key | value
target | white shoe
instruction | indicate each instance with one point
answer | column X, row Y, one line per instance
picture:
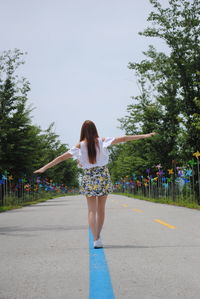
column 98, row 243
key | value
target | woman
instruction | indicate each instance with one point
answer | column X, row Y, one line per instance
column 92, row 155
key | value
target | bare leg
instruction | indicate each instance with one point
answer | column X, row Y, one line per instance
column 100, row 214
column 92, row 210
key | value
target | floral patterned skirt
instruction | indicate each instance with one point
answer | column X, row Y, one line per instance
column 96, row 181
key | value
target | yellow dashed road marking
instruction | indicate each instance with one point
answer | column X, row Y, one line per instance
column 137, row 210
column 164, row 223
column 125, row 206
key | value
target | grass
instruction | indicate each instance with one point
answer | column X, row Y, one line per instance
column 164, row 200
column 28, row 203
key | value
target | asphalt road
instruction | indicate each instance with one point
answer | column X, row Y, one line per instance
column 152, row 250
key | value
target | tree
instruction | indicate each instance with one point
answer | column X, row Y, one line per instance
column 169, row 99
column 18, row 136
column 66, row 172
column 24, row 147
column 179, row 26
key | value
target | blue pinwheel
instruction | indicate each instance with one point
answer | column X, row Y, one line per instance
column 188, row 172
column 185, row 180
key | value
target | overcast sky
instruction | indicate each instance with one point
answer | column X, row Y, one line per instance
column 78, row 53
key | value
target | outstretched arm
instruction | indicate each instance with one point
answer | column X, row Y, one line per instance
column 131, row 137
column 57, row 160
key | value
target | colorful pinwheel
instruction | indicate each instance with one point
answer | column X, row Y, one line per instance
column 160, row 172
column 192, row 162
column 188, row 172
column 185, row 180
column 197, row 154
column 180, row 173
column 171, row 171
column 158, row 166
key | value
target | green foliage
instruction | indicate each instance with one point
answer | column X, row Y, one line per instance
column 169, row 98
column 196, row 116
column 18, row 136
column 65, row 172
column 179, row 26
column 129, row 158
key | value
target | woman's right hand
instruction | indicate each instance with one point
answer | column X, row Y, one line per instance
column 40, row 170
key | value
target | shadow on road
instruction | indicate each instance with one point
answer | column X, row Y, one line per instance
column 7, row 230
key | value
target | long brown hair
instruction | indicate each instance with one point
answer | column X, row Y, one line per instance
column 90, row 134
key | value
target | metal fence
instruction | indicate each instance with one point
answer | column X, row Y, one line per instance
column 154, row 190
column 177, row 183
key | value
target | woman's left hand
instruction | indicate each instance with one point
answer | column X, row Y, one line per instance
column 152, row 134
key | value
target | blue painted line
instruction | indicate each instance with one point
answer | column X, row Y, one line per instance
column 100, row 282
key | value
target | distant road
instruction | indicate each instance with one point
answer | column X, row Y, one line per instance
column 150, row 250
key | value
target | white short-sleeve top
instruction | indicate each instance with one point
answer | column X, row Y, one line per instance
column 102, row 156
